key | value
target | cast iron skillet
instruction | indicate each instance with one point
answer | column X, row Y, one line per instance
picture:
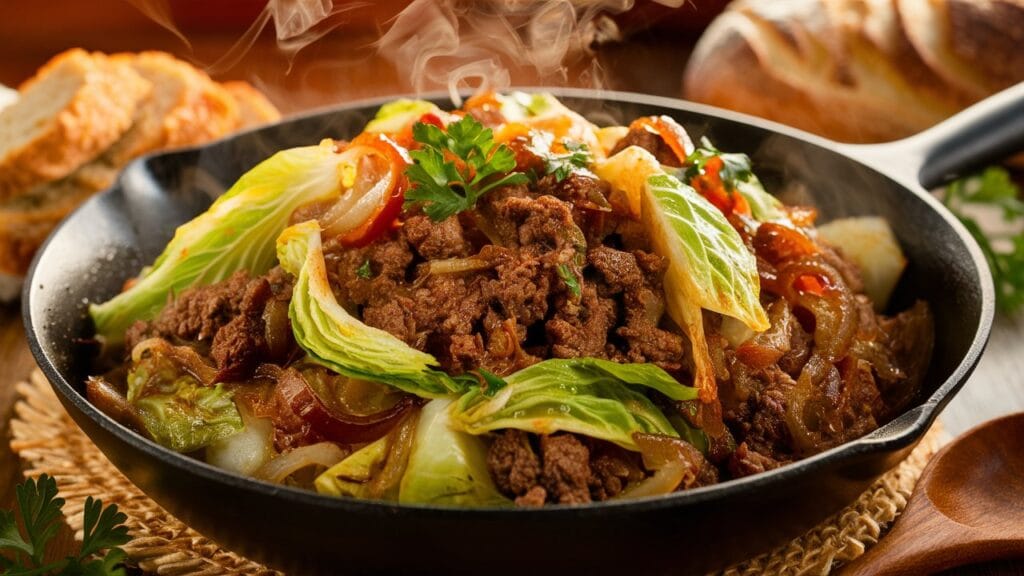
column 114, row 234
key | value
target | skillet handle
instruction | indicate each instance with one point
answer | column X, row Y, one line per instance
column 986, row 133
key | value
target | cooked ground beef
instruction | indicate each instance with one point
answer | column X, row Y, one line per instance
column 648, row 141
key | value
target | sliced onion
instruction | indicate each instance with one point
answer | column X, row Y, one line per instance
column 111, row 401
column 277, row 329
column 399, row 447
column 459, row 265
column 183, row 356
column 664, row 481
column 371, row 182
column 329, row 419
column 246, row 451
column 323, row 454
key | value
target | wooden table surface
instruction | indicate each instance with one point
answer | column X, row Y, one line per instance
column 996, row 388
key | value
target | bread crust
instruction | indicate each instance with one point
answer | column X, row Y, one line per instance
column 96, row 115
column 199, row 110
column 254, row 108
column 851, row 70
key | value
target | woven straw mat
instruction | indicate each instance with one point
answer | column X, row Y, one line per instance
column 49, row 441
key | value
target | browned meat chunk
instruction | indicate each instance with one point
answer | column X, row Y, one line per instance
column 566, row 469
column 513, row 464
column 198, row 313
column 239, row 345
column 436, row 240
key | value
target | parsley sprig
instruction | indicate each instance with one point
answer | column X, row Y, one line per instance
column 1003, row 250
column 736, row 168
column 576, row 157
column 40, row 511
column 455, row 167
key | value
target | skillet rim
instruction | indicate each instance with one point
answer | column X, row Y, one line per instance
column 880, row 440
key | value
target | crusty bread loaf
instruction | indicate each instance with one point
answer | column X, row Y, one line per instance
column 253, row 107
column 186, row 108
column 83, row 141
column 858, row 70
column 75, row 107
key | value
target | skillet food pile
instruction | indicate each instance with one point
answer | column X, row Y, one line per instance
column 507, row 305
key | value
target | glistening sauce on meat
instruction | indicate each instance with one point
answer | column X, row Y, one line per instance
column 507, row 305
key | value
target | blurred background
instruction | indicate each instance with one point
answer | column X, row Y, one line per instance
column 305, row 54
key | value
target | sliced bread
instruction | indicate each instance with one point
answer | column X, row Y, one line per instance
column 186, row 108
column 75, row 107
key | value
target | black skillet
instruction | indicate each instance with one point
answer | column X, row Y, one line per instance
column 113, row 235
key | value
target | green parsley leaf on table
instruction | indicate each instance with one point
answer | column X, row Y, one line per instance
column 1004, row 250
column 40, row 511
column 455, row 167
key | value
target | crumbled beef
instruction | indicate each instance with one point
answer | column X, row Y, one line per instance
column 436, row 240
column 198, row 313
column 643, row 304
column 513, row 464
column 521, row 289
column 545, row 224
column 567, row 469
column 388, row 261
column 566, row 463
column 239, row 345
column 395, row 316
column 649, row 141
column 136, row 333
column 745, row 462
column 759, row 416
column 613, row 468
column 580, row 189
column 580, row 329
column 534, row 498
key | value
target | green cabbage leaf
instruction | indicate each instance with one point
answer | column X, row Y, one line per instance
column 352, row 476
column 237, row 232
column 596, row 398
column 177, row 410
column 447, row 467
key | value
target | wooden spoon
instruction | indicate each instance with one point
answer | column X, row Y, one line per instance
column 967, row 507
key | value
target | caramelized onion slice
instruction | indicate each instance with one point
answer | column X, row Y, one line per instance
column 323, row 454
column 183, row 356
column 329, row 419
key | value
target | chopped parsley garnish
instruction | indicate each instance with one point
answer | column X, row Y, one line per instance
column 571, row 282
column 735, row 168
column 40, row 511
column 576, row 157
column 1004, row 251
column 454, row 168
column 364, row 271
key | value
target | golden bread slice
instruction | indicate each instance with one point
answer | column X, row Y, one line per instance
column 186, row 108
column 253, row 107
column 75, row 107
column 26, row 221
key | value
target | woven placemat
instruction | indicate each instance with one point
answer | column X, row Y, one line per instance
column 49, row 441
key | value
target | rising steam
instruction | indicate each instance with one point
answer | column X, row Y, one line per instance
column 453, row 44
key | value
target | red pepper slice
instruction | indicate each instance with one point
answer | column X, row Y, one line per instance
column 390, row 206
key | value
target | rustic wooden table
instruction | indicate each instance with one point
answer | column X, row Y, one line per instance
column 652, row 64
